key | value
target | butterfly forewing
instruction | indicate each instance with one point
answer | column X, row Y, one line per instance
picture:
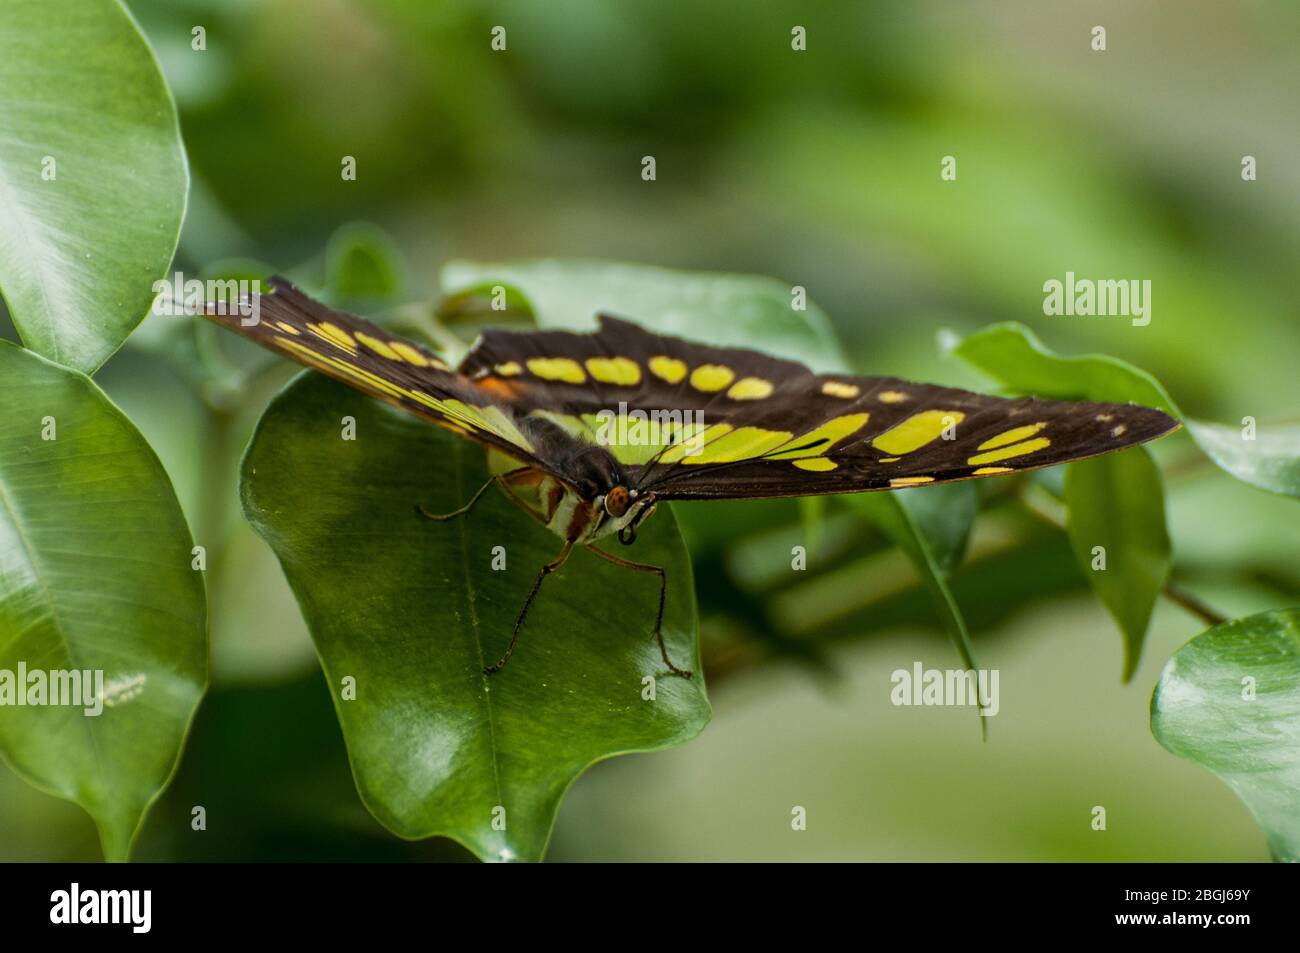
column 947, row 435
column 375, row 362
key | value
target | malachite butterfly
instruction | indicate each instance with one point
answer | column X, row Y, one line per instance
column 587, row 432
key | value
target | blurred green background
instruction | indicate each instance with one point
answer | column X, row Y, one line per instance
column 820, row 168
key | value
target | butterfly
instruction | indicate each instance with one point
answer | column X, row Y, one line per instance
column 589, row 432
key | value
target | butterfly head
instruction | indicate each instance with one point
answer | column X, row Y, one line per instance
column 624, row 510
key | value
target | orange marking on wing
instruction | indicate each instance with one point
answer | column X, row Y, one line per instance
column 499, row 387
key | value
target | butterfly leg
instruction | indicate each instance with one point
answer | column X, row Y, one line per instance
column 663, row 594
column 506, row 485
column 504, row 479
column 440, row 517
column 549, row 568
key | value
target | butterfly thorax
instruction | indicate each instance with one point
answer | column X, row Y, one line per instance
column 595, row 503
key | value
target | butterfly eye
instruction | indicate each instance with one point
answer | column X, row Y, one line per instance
column 617, row 501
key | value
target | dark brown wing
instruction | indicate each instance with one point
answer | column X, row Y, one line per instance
column 689, row 420
column 375, row 362
column 904, row 446
column 750, row 425
column 622, row 362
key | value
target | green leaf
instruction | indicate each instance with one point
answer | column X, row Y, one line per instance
column 362, row 264
column 1270, row 460
column 95, row 574
column 944, row 516
column 1117, row 502
column 463, row 316
column 931, row 525
column 1011, row 354
column 812, row 519
column 92, row 176
column 1229, row 700
column 412, row 610
column 729, row 310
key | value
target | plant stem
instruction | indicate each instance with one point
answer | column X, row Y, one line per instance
column 1193, row 604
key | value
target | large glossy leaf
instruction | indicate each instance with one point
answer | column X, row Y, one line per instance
column 1229, row 700
column 412, row 610
column 92, row 176
column 95, row 574
column 734, row 310
column 1013, row 355
column 1117, row 530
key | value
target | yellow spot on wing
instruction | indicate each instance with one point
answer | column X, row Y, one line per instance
column 816, row 442
column 489, row 417
column 711, row 377
column 910, row 481
column 743, row 443
column 287, row 328
column 557, row 369
column 371, row 381
column 695, row 442
column 840, row 389
column 457, row 415
column 669, row 369
column 890, row 459
column 631, row 439
column 509, row 369
column 409, row 354
column 816, row 464
column 891, row 397
column 916, row 431
column 580, row 428
column 334, row 335
column 750, row 388
column 379, row 347
column 620, row 371
column 1006, row 453
column 985, row 471
column 1011, row 436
